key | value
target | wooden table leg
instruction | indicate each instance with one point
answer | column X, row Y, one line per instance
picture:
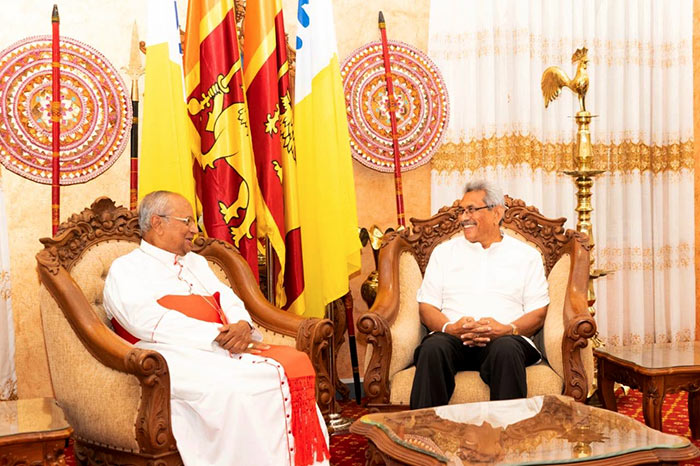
column 652, row 401
column 694, row 413
column 373, row 456
column 606, row 392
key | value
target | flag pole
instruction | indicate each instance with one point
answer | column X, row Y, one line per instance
column 349, row 306
column 392, row 116
column 55, row 120
column 270, row 271
column 134, row 71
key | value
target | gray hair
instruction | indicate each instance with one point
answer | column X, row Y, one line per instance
column 155, row 203
column 493, row 197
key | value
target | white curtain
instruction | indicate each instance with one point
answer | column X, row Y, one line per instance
column 492, row 55
column 8, row 379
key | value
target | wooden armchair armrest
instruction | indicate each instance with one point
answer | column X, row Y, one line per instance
column 246, row 287
column 374, row 330
column 314, row 339
column 374, row 326
column 579, row 325
column 312, row 335
column 576, row 336
column 153, row 432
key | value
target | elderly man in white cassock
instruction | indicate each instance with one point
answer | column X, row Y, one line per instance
column 234, row 399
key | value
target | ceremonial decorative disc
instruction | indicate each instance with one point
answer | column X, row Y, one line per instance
column 95, row 111
column 422, row 106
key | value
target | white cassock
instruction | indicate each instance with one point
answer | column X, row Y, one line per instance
column 226, row 409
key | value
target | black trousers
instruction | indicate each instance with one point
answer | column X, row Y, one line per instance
column 501, row 365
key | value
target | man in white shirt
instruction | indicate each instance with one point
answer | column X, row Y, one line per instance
column 483, row 295
column 231, row 402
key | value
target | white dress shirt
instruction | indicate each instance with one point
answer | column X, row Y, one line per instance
column 137, row 280
column 504, row 281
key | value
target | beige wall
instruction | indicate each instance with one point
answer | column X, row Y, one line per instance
column 696, row 137
column 356, row 24
column 106, row 26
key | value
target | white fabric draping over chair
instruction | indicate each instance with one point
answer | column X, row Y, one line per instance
column 492, row 55
column 8, row 379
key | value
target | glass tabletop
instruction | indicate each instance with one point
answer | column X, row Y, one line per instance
column 657, row 355
column 30, row 416
column 538, row 430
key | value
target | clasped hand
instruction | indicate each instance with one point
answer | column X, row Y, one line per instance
column 477, row 332
column 236, row 338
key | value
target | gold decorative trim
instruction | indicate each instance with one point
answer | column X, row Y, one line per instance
column 636, row 258
column 518, row 149
column 636, row 339
column 8, row 390
column 5, row 287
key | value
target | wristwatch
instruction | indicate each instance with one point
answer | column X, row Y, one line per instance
column 515, row 329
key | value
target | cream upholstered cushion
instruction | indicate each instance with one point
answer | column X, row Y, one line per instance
column 270, row 337
column 558, row 281
column 90, row 271
column 103, row 394
column 407, row 331
column 541, row 380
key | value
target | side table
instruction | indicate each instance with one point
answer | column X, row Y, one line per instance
column 654, row 369
column 33, row 431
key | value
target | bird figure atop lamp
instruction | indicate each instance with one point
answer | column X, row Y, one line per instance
column 554, row 78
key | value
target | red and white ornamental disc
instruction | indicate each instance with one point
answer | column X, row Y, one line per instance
column 95, row 111
column 422, row 106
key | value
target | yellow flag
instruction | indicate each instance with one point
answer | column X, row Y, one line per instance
column 327, row 205
column 165, row 161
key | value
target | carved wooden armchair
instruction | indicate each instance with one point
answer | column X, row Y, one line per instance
column 116, row 396
column 392, row 328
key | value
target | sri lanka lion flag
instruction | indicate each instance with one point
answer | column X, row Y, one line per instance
column 266, row 78
column 219, row 127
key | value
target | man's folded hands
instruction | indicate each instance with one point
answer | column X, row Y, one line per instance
column 237, row 338
column 477, row 332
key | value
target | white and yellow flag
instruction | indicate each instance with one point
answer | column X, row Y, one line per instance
column 327, row 205
column 165, row 161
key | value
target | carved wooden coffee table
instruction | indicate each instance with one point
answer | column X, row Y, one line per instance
column 545, row 429
column 33, row 432
column 654, row 369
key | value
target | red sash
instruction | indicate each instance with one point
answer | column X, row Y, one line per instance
column 206, row 308
column 308, row 437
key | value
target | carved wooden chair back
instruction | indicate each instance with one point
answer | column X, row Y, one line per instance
column 402, row 261
column 114, row 395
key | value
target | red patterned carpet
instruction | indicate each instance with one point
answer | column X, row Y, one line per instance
column 674, row 417
column 349, row 449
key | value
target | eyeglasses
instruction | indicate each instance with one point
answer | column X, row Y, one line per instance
column 186, row 220
column 471, row 209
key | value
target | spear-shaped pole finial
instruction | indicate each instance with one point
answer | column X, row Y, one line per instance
column 135, row 69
